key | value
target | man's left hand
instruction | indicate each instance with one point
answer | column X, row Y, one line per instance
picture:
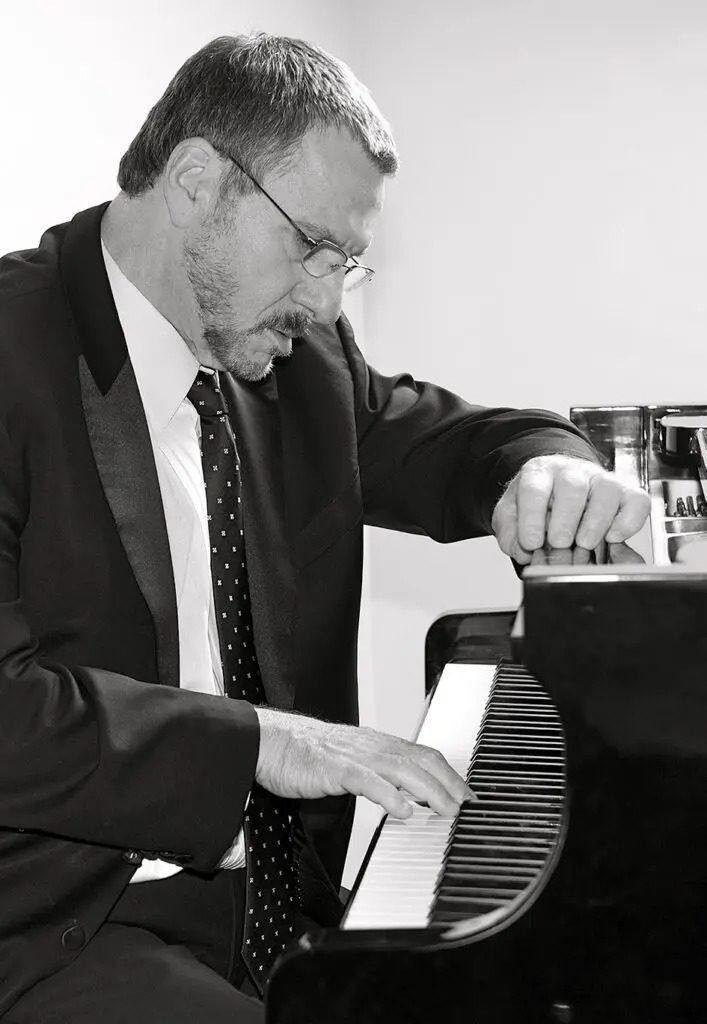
column 561, row 501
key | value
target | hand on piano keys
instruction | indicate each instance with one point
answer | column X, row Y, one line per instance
column 303, row 757
column 498, row 728
column 561, row 501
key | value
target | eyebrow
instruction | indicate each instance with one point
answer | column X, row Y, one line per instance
column 320, row 232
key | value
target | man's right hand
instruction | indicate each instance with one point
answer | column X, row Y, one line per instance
column 305, row 757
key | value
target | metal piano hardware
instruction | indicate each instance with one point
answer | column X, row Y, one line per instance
column 659, row 447
column 613, row 927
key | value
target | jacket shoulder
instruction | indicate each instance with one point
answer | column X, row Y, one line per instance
column 25, row 273
column 30, row 280
column 35, row 322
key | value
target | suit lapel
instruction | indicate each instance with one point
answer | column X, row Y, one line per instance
column 123, row 452
column 118, row 432
column 256, row 418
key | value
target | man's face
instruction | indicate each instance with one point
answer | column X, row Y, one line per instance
column 243, row 260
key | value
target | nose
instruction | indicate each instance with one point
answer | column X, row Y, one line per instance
column 321, row 297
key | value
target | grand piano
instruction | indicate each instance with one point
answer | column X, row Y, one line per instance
column 575, row 888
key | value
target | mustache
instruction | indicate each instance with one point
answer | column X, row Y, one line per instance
column 292, row 324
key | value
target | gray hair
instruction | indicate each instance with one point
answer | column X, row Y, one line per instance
column 254, row 97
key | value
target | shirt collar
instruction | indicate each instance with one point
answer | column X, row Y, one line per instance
column 164, row 366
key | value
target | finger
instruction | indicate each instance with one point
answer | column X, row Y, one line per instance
column 507, row 539
column 603, row 504
column 580, row 556
column 471, row 798
column 635, row 506
column 558, row 556
column 438, row 766
column 363, row 781
column 410, row 775
column 522, row 556
column 624, row 555
column 505, row 526
column 534, row 490
column 569, row 498
column 540, row 557
column 504, row 521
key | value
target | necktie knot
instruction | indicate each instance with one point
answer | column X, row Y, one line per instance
column 206, row 396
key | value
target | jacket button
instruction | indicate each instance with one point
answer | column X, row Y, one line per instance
column 73, row 937
column 132, row 857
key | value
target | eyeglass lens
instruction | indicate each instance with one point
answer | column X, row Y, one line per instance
column 324, row 260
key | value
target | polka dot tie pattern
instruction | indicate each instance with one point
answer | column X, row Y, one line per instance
column 271, row 882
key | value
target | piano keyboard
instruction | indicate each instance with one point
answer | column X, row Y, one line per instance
column 500, row 731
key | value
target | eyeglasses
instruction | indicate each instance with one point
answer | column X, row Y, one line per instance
column 323, row 258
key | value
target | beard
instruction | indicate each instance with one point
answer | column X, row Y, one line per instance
column 214, row 288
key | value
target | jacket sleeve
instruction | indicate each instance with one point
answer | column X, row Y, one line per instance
column 431, row 463
column 97, row 757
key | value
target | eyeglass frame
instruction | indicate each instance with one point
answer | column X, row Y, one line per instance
column 311, row 242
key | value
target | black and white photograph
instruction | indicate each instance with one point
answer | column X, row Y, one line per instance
column 353, row 512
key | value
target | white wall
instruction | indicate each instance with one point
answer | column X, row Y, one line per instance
column 77, row 78
column 545, row 241
column 543, row 245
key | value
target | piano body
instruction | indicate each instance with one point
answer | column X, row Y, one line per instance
column 575, row 889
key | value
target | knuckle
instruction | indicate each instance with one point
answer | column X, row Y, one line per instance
column 606, row 483
column 534, row 482
column 437, row 757
column 575, row 479
column 354, row 777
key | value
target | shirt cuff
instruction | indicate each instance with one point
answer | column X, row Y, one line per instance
column 234, row 857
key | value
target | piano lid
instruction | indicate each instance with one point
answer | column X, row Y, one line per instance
column 622, row 650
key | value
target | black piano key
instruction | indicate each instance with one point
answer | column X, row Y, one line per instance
column 500, row 844
column 513, row 830
column 450, row 892
column 511, row 866
column 467, row 906
column 465, row 879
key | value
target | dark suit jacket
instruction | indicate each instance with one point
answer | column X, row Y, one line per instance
column 97, row 760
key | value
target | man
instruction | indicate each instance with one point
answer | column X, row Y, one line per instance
column 130, row 560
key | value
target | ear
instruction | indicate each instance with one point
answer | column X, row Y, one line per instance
column 191, row 179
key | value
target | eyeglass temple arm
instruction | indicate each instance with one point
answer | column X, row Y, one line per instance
column 267, row 195
column 298, row 229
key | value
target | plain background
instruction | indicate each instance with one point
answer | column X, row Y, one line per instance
column 543, row 245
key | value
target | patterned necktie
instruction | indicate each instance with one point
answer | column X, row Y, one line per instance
column 271, row 882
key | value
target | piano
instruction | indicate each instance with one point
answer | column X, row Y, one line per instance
column 575, row 889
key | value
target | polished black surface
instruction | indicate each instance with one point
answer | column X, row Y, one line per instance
column 616, row 932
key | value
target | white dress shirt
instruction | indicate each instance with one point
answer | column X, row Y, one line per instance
column 165, row 370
